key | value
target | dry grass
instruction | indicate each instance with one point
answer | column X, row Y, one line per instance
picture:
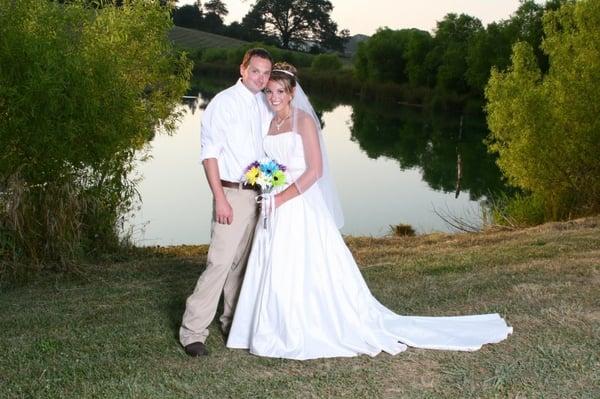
column 114, row 334
column 195, row 39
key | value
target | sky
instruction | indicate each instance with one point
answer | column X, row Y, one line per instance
column 365, row 16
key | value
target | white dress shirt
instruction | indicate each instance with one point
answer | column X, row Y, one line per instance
column 233, row 127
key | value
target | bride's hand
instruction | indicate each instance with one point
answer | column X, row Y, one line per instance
column 264, row 200
column 278, row 201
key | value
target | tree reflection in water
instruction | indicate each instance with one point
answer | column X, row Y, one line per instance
column 435, row 143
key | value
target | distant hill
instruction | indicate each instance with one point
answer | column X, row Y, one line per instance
column 195, row 39
column 352, row 45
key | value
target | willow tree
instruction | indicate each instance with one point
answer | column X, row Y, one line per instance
column 81, row 89
column 545, row 128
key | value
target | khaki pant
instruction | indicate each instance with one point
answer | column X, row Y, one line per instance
column 225, row 266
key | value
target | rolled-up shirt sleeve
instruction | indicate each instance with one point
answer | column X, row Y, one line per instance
column 212, row 131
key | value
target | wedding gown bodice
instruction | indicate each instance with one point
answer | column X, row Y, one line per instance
column 286, row 149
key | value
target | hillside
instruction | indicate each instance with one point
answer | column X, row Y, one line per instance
column 195, row 39
column 352, row 46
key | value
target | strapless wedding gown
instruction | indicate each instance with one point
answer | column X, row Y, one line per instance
column 303, row 295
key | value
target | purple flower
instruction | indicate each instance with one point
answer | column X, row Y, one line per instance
column 254, row 164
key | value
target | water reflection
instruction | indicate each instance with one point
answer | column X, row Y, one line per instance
column 448, row 149
column 391, row 166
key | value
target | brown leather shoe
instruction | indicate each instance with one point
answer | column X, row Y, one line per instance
column 196, row 349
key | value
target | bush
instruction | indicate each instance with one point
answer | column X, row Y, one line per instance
column 397, row 56
column 326, row 62
column 80, row 91
column 519, row 210
column 233, row 56
column 545, row 128
column 215, row 55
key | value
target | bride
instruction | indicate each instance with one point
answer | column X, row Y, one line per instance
column 303, row 296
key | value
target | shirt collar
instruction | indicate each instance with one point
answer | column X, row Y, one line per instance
column 245, row 92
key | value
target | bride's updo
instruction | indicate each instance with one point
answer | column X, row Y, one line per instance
column 285, row 74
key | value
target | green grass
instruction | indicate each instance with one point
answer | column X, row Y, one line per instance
column 114, row 332
column 195, row 39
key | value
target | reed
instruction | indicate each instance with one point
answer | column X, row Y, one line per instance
column 57, row 224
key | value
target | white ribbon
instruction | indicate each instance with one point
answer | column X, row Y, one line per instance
column 267, row 209
column 267, row 215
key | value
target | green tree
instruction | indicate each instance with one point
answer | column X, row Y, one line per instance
column 451, row 43
column 213, row 18
column 80, row 91
column 296, row 23
column 393, row 56
column 489, row 48
column 326, row 62
column 527, row 25
column 417, row 47
column 212, row 23
column 492, row 47
column 545, row 128
column 381, row 57
column 188, row 16
column 216, row 7
column 251, row 27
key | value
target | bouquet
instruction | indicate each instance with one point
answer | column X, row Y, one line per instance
column 266, row 174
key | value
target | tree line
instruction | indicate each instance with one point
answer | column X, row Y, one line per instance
column 451, row 65
column 460, row 54
column 539, row 73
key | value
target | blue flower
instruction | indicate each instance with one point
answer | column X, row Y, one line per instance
column 268, row 168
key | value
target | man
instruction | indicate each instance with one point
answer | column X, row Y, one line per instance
column 233, row 126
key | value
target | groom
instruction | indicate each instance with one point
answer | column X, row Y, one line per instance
column 233, row 126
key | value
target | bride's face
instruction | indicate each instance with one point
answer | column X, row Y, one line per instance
column 277, row 96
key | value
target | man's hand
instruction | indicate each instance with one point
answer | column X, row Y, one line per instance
column 223, row 212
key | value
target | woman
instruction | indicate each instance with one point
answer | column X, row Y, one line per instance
column 303, row 296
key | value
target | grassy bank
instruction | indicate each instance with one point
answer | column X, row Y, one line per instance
column 113, row 333
column 192, row 39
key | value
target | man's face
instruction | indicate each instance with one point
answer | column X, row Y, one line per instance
column 256, row 75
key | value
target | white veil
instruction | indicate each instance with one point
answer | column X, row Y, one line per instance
column 325, row 182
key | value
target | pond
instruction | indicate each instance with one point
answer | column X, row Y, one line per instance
column 392, row 165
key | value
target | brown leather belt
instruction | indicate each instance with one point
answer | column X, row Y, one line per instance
column 237, row 185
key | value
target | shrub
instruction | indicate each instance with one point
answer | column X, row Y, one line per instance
column 80, row 91
column 519, row 210
column 215, row 55
column 545, row 128
column 326, row 62
column 402, row 230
